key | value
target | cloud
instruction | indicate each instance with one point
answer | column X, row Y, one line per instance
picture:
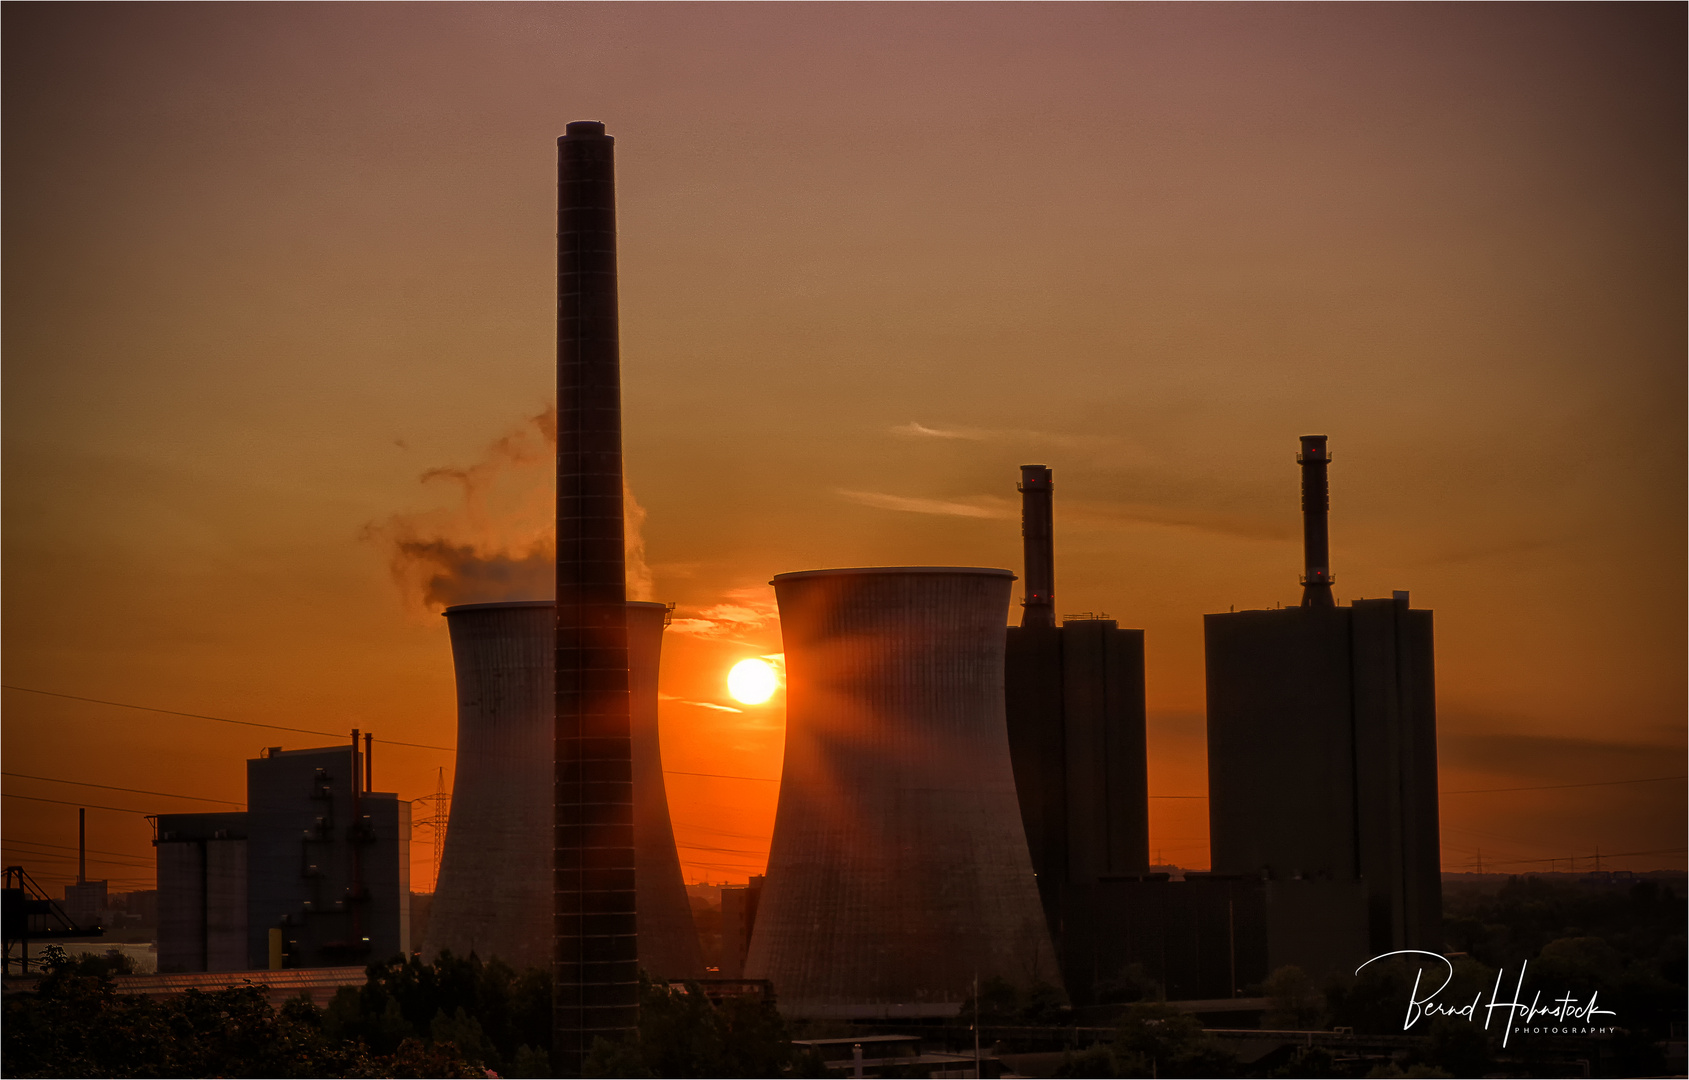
column 1117, row 514
column 744, row 611
column 1047, row 439
column 918, row 429
column 699, row 704
column 1507, row 550
column 981, row 506
column 1070, row 512
column 1556, row 759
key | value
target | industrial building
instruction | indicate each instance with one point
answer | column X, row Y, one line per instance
column 739, row 904
column 315, row 873
column 1322, row 761
column 1201, row 938
column 898, row 869
column 494, row 896
column 1074, row 695
column 202, row 893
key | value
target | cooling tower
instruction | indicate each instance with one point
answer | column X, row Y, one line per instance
column 494, row 896
column 898, row 869
column 668, row 938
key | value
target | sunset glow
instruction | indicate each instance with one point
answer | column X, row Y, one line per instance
column 282, row 387
column 752, row 681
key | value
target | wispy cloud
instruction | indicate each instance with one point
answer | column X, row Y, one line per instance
column 1032, row 439
column 1085, row 514
column 921, row 430
column 980, row 506
column 744, row 611
column 1116, row 514
column 699, row 704
column 1503, row 551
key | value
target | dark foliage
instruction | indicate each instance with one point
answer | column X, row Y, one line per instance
column 492, row 1014
column 1002, row 1004
column 78, row 1025
column 1153, row 1040
column 1625, row 942
column 683, row 1033
column 451, row 1018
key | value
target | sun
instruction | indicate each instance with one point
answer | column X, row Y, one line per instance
column 752, row 681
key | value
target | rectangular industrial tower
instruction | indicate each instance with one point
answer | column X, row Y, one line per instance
column 1074, row 695
column 1322, row 762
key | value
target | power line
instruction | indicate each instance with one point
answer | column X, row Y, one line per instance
column 1589, row 858
column 219, row 719
column 1557, row 787
column 719, row 850
column 62, row 802
column 1487, row 791
column 108, row 787
column 132, row 864
column 722, row 776
column 72, row 847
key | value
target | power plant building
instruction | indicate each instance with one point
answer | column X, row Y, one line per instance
column 201, row 862
column 1322, row 762
column 327, row 861
column 898, row 869
column 1074, row 695
column 315, row 873
column 494, row 896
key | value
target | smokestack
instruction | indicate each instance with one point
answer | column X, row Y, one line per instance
column 369, row 762
column 81, row 845
column 596, row 967
column 1039, row 547
column 1316, row 504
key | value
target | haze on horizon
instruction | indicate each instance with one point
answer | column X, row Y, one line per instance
column 279, row 297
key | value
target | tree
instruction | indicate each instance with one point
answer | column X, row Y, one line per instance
column 684, row 1033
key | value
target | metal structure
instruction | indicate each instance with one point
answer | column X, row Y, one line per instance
column 494, row 896
column 596, row 964
column 28, row 914
column 898, row 867
column 1322, row 763
column 440, row 823
column 1074, row 696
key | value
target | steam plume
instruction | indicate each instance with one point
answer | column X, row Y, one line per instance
column 497, row 541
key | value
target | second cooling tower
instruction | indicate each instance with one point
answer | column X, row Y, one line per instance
column 898, row 869
column 494, row 897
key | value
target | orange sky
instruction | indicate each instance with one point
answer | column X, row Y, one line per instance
column 268, row 265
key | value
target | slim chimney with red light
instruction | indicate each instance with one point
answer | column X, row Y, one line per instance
column 1316, row 506
column 1037, row 531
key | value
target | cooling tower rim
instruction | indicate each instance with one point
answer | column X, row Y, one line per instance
column 496, row 605
column 983, row 571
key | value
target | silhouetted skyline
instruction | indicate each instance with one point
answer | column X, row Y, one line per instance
column 271, row 266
